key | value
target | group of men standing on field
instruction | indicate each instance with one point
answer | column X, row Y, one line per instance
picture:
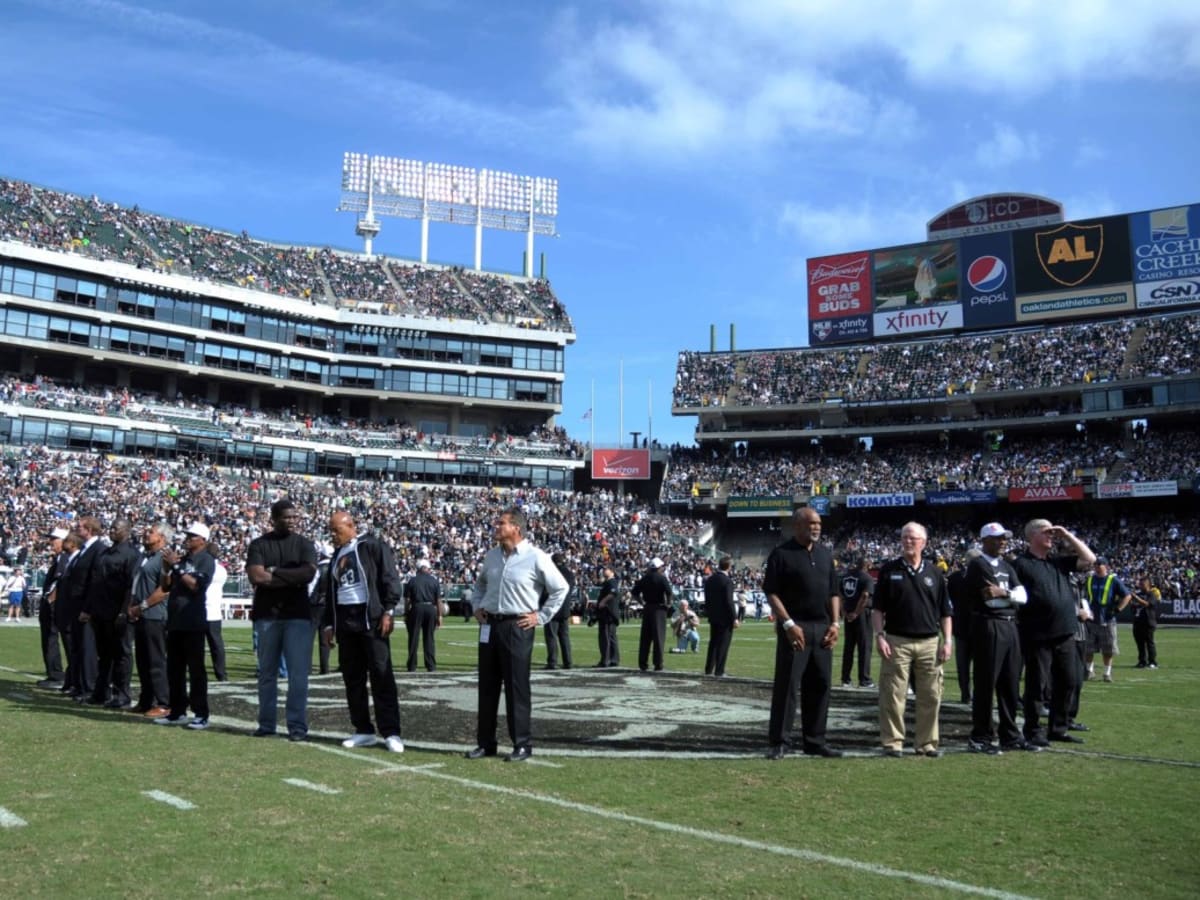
column 1025, row 615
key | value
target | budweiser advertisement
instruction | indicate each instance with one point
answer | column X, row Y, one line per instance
column 614, row 464
column 1043, row 494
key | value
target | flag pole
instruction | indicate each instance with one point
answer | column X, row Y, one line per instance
column 621, row 404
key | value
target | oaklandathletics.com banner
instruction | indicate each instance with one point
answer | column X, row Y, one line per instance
column 610, row 464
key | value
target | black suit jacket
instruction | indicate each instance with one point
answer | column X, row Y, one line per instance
column 608, row 604
column 719, row 604
column 74, row 587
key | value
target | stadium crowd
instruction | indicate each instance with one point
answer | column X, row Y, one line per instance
column 91, row 227
column 451, row 525
column 1018, row 461
column 243, row 423
column 1054, row 355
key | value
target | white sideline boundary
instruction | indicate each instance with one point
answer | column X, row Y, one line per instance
column 685, row 830
column 11, row 819
column 169, row 799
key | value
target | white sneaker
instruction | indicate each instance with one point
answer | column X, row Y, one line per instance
column 198, row 724
column 394, row 744
column 360, row 740
column 171, row 720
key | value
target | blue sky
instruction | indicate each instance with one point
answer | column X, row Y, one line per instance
column 704, row 149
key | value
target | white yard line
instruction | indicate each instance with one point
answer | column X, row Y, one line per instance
column 311, row 786
column 699, row 834
column 169, row 799
column 11, row 819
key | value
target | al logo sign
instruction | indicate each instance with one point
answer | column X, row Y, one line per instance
column 1070, row 253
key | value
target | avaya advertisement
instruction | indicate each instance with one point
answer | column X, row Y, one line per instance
column 615, row 464
column 988, row 287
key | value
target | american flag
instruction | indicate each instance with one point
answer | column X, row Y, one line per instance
column 587, row 415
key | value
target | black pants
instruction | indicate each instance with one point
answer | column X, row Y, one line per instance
column 857, row 638
column 1081, row 649
column 558, row 635
column 81, row 659
column 504, row 662
column 216, row 649
column 114, row 660
column 367, row 657
column 610, row 650
column 1050, row 667
column 809, row 670
column 997, row 674
column 421, row 619
column 317, row 614
column 1143, row 636
column 185, row 662
column 719, row 639
column 964, row 655
column 51, row 656
column 150, row 652
column 654, row 634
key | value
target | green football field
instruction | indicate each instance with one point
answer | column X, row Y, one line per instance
column 103, row 804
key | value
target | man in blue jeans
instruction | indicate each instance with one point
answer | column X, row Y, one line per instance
column 282, row 566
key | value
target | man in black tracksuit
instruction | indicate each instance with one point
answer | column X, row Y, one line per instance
column 422, row 614
column 608, row 617
column 558, row 630
column 362, row 592
column 654, row 591
column 994, row 590
column 855, row 587
column 1047, row 626
column 722, row 612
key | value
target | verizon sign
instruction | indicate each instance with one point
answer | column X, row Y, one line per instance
column 614, row 464
column 1043, row 494
column 994, row 212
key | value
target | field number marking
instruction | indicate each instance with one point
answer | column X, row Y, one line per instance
column 11, row 819
column 169, row 799
column 311, row 786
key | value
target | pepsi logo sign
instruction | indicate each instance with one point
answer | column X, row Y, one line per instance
column 986, row 274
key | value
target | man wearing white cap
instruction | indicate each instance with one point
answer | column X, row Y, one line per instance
column 51, row 654
column 422, row 614
column 994, row 590
column 654, row 591
column 186, row 579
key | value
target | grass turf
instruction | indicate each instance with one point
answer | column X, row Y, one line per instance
column 1112, row 818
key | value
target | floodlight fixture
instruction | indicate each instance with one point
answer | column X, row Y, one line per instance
column 442, row 192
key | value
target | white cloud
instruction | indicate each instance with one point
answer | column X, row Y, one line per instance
column 841, row 228
column 708, row 77
column 1007, row 147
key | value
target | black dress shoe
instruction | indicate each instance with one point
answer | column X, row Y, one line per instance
column 114, row 703
column 519, row 754
column 1077, row 726
column 893, row 752
column 549, row 668
column 777, row 752
column 826, row 751
column 480, row 753
column 1066, row 739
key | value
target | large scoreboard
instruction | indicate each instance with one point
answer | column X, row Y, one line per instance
column 983, row 276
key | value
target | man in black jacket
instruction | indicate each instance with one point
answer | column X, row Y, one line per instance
column 1047, row 624
column 654, row 592
column 282, row 566
column 73, row 590
column 608, row 617
column 186, row 579
column 722, row 612
column 422, row 614
column 106, row 606
column 363, row 589
column 558, row 630
column 51, row 653
column 855, row 587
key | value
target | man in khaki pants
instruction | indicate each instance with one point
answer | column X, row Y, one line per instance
column 911, row 608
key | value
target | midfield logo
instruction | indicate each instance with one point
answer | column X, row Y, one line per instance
column 1070, row 253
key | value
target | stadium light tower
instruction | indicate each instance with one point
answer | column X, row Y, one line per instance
column 439, row 192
